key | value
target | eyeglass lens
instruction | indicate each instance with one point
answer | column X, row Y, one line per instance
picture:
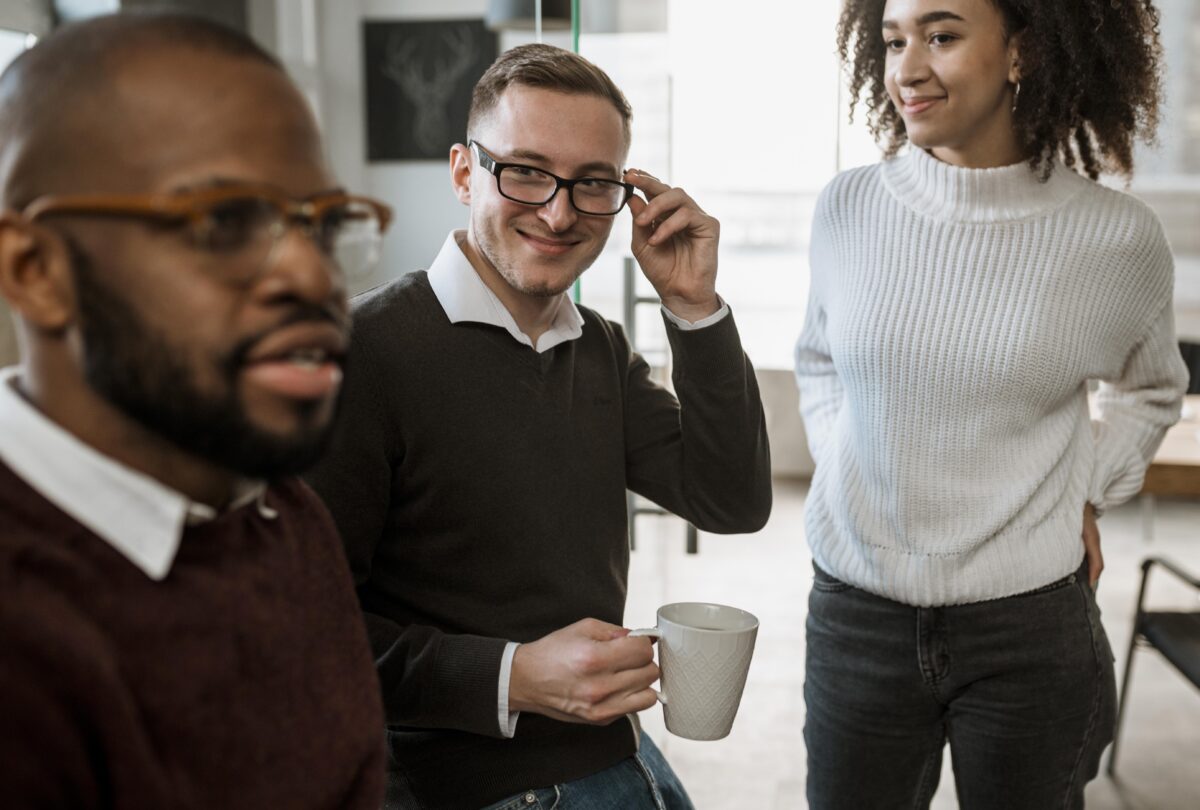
column 590, row 195
column 248, row 229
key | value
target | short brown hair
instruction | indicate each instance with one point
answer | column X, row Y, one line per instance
column 550, row 68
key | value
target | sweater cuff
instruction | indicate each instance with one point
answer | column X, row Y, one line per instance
column 465, row 679
column 689, row 326
column 715, row 351
column 508, row 720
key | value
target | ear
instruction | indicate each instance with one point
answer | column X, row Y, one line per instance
column 1014, row 58
column 35, row 274
column 461, row 164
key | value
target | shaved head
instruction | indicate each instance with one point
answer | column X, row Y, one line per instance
column 65, row 104
column 132, row 324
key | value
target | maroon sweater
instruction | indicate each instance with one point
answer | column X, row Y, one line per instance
column 242, row 680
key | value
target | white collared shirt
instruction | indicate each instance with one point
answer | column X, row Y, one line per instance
column 135, row 514
column 465, row 297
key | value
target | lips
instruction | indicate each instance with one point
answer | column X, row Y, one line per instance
column 301, row 361
column 919, row 104
column 549, row 246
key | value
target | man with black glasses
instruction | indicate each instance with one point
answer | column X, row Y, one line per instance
column 489, row 432
column 178, row 627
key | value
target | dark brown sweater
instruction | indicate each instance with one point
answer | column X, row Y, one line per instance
column 480, row 490
column 242, row 680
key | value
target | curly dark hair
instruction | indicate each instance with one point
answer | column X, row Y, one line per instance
column 1090, row 79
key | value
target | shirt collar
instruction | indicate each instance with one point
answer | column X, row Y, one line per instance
column 465, row 298
column 135, row 514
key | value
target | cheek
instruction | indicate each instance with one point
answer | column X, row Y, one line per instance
column 200, row 330
column 601, row 229
column 889, row 81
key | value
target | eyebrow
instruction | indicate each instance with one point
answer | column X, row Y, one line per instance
column 927, row 18
column 232, row 182
column 580, row 171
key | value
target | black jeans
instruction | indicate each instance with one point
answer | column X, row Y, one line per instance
column 1022, row 688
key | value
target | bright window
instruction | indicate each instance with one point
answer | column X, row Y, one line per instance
column 745, row 106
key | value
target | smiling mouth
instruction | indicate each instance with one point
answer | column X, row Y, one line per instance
column 917, row 106
column 550, row 247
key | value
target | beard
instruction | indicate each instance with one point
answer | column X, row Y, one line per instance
column 490, row 239
column 135, row 368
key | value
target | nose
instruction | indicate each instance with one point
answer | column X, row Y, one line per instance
column 558, row 214
column 911, row 66
column 300, row 270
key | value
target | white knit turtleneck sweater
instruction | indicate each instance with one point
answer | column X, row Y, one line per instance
column 954, row 319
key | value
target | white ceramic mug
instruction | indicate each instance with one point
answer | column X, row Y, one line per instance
column 704, row 652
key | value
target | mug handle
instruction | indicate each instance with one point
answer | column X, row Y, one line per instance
column 652, row 632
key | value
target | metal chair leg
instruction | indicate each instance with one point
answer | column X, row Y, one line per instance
column 1123, row 696
column 631, row 517
column 1121, row 701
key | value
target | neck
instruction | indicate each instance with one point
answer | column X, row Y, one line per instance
column 68, row 401
column 993, row 147
column 974, row 157
column 534, row 314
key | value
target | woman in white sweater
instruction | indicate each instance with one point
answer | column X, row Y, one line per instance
column 964, row 292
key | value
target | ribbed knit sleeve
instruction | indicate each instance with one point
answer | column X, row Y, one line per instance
column 821, row 391
column 1135, row 409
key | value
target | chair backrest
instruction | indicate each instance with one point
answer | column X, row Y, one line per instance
column 1191, row 356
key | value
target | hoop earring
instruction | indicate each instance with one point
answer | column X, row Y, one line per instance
column 1016, row 97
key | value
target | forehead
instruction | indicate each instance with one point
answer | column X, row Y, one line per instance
column 188, row 117
column 909, row 11
column 571, row 129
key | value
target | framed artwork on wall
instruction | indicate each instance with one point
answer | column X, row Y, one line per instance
column 419, row 77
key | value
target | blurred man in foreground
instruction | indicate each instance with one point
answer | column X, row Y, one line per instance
column 177, row 624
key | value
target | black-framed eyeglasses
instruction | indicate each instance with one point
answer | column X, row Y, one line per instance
column 595, row 196
column 241, row 225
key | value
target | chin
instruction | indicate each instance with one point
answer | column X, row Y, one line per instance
column 546, row 290
column 546, row 287
column 922, row 138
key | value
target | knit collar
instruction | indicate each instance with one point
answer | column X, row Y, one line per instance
column 942, row 191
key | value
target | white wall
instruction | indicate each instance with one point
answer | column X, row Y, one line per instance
column 419, row 191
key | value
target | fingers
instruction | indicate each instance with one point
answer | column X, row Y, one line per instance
column 597, row 630
column 629, row 653
column 636, row 206
column 668, row 213
column 664, row 204
column 679, row 222
column 588, row 672
column 602, row 700
column 1095, row 561
column 646, row 183
column 1091, row 546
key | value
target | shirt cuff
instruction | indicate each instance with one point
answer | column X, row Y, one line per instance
column 508, row 720
column 688, row 326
